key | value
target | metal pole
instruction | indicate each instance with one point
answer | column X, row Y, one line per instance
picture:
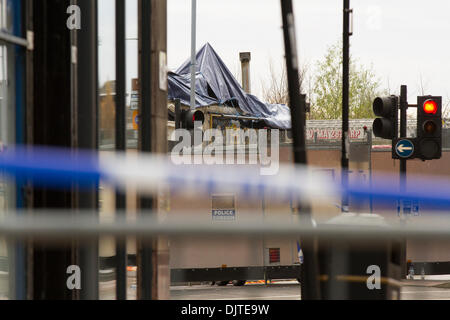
column 152, row 256
column 193, row 51
column 17, row 258
column 403, row 131
column 345, row 103
column 87, row 82
column 403, row 162
column 145, row 250
column 310, row 288
column 52, row 119
column 177, row 114
column 370, row 143
column 56, row 226
column 121, row 249
column 13, row 39
column 29, row 123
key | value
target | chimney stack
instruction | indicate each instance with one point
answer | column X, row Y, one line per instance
column 245, row 64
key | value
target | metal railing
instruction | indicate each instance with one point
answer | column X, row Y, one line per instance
column 6, row 37
column 368, row 227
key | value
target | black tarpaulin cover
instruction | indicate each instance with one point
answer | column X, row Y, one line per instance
column 215, row 85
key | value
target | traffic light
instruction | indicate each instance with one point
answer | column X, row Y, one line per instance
column 193, row 121
column 429, row 127
column 191, row 117
column 386, row 126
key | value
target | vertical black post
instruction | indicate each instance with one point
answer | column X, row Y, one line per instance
column 403, row 162
column 29, row 107
column 152, row 252
column 345, row 104
column 121, row 250
column 403, row 131
column 177, row 114
column 309, row 279
column 370, row 143
column 87, row 129
column 144, row 256
column 17, row 267
column 52, row 123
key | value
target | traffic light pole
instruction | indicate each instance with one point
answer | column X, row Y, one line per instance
column 403, row 162
column 310, row 288
column 403, row 133
column 426, row 146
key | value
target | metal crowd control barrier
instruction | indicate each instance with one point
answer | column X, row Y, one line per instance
column 55, row 225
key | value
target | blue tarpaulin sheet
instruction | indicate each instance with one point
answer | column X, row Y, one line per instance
column 216, row 85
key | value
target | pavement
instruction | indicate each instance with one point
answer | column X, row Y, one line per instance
column 418, row 292
column 412, row 290
column 428, row 281
column 429, row 288
column 287, row 290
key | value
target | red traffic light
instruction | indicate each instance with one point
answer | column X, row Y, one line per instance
column 191, row 117
column 430, row 107
column 198, row 116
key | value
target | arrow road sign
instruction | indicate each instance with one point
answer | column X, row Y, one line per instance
column 401, row 148
column 404, row 148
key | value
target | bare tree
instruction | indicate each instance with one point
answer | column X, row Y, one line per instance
column 422, row 86
column 446, row 107
column 276, row 91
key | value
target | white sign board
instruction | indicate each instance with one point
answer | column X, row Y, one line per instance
column 224, row 215
column 333, row 133
column 134, row 102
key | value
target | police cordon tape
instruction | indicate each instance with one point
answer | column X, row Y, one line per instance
column 149, row 174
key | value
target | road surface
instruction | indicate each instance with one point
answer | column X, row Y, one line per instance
column 428, row 289
column 413, row 290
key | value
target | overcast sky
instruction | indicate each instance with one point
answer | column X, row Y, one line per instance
column 404, row 40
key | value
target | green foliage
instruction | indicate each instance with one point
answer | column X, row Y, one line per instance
column 326, row 93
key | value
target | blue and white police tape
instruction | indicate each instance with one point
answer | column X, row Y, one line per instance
column 59, row 168
column 47, row 167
